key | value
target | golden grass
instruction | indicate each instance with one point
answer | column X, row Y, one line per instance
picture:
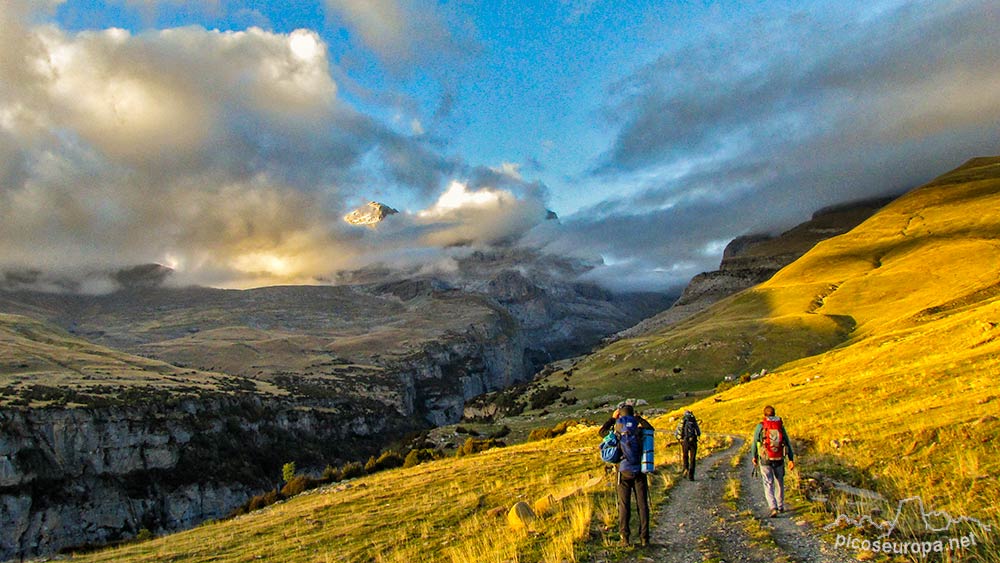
column 731, row 493
column 438, row 511
column 452, row 510
column 885, row 343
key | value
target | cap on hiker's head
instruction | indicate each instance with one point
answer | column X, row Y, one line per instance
column 688, row 413
column 626, row 410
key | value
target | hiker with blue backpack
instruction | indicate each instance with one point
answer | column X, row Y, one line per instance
column 628, row 442
column 688, row 433
column 768, row 451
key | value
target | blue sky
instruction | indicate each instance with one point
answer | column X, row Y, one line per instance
column 228, row 137
column 524, row 82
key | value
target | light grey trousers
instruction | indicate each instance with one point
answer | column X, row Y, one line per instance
column 774, row 484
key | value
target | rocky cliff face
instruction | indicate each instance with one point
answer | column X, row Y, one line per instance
column 75, row 477
column 444, row 375
column 559, row 315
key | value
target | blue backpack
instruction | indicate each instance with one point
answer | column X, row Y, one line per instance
column 610, row 452
column 623, row 444
column 629, row 441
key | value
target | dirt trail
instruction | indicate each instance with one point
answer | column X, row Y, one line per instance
column 696, row 524
column 788, row 530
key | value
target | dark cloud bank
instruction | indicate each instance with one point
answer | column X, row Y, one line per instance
column 781, row 117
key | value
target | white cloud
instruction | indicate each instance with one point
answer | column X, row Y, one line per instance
column 484, row 215
column 510, row 169
column 225, row 153
column 401, row 32
column 458, row 197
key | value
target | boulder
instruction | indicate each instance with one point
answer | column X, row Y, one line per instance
column 520, row 517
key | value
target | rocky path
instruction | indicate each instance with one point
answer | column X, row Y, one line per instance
column 789, row 530
column 700, row 521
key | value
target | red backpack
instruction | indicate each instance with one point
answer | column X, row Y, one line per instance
column 772, row 435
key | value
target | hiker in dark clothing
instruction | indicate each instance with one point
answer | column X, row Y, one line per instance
column 688, row 432
column 768, row 450
column 631, row 480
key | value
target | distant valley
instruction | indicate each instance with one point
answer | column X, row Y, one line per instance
column 157, row 407
column 107, row 397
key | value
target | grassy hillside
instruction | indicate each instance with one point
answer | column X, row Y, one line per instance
column 884, row 343
column 263, row 333
column 909, row 399
column 451, row 510
column 923, row 255
column 42, row 365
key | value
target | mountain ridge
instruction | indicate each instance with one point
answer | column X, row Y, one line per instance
column 752, row 259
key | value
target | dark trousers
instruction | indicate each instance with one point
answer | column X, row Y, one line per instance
column 627, row 483
column 689, row 451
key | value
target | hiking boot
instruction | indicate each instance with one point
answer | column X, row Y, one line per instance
column 644, row 542
column 623, row 542
column 774, row 513
column 781, row 509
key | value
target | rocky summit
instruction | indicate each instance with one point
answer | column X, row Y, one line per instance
column 370, row 214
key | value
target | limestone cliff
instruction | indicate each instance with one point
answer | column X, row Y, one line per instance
column 85, row 476
column 369, row 215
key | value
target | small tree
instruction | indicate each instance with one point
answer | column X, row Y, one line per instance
column 351, row 470
column 388, row 460
column 474, row 446
column 331, row 474
column 288, row 471
column 412, row 459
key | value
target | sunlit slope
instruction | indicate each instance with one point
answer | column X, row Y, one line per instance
column 41, row 365
column 737, row 335
column 756, row 329
column 910, row 400
column 929, row 251
column 451, row 510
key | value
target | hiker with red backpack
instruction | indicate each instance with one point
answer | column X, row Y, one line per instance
column 633, row 435
column 768, row 451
